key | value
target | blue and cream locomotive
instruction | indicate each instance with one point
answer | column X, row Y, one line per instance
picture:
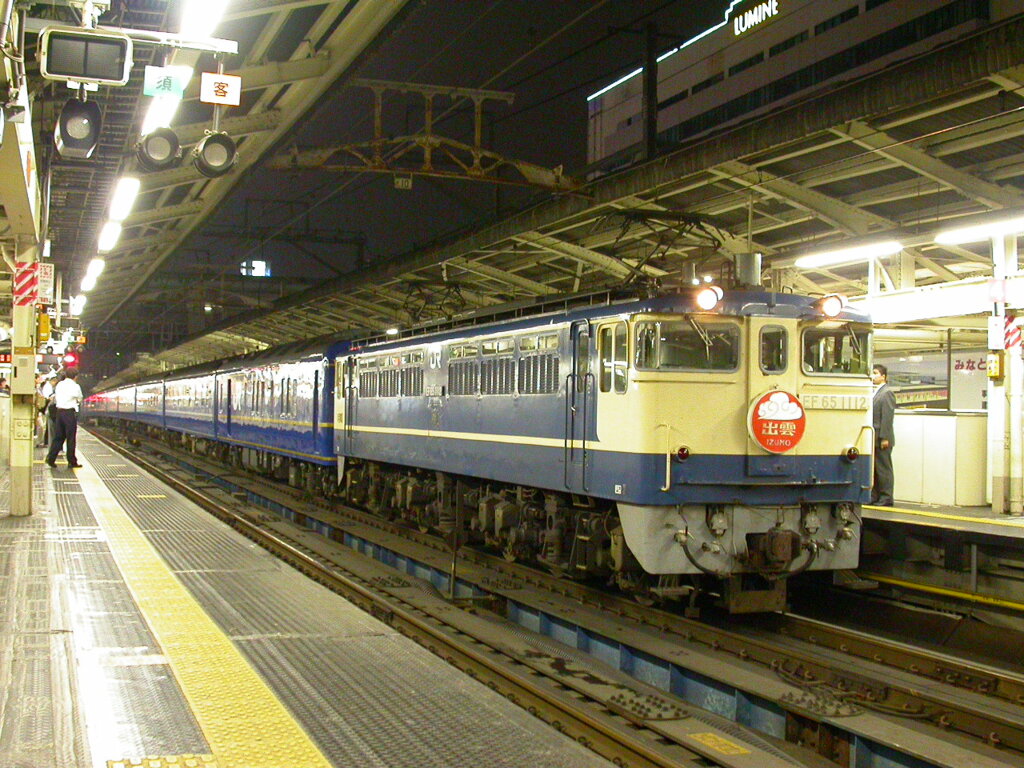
column 653, row 441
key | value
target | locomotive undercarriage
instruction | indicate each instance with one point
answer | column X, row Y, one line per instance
column 566, row 534
column 743, row 556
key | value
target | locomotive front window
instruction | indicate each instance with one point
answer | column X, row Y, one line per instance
column 773, row 349
column 837, row 348
column 686, row 345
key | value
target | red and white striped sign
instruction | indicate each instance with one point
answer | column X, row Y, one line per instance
column 26, row 283
column 1012, row 333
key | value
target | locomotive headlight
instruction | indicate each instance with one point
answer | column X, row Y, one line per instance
column 708, row 298
column 832, row 304
column 852, row 453
column 682, row 453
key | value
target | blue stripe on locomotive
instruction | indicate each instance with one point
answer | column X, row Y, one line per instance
column 626, row 477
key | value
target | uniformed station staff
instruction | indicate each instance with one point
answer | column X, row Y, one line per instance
column 884, row 408
column 67, row 398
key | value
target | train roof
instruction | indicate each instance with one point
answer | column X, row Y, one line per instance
column 734, row 303
column 296, row 351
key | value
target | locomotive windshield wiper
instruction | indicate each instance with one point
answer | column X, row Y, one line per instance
column 702, row 332
column 854, row 341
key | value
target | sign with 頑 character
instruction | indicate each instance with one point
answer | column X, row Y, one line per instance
column 166, row 81
column 216, row 88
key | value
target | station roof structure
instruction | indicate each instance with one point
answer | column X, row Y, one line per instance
column 905, row 152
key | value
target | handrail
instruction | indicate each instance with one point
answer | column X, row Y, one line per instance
column 667, row 485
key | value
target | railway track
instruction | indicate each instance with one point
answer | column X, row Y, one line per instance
column 835, row 687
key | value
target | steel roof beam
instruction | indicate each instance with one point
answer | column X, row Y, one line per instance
column 920, row 162
column 605, row 263
column 508, row 278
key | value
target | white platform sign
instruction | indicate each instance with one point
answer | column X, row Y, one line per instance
column 216, row 88
column 45, row 274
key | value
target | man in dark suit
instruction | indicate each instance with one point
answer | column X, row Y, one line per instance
column 884, row 407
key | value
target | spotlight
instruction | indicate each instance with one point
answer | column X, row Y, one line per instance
column 832, row 304
column 158, row 150
column 708, row 298
column 215, row 155
column 78, row 129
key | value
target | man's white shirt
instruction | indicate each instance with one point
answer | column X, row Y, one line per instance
column 67, row 394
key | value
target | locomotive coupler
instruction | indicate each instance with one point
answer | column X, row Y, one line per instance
column 773, row 550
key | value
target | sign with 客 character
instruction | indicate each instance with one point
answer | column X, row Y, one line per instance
column 216, row 88
column 166, row 81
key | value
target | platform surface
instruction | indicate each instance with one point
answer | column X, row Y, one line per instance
column 137, row 630
column 966, row 519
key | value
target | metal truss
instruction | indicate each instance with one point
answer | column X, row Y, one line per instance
column 427, row 153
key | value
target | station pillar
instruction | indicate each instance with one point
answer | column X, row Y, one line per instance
column 23, row 389
column 1005, row 392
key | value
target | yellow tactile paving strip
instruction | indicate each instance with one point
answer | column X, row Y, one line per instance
column 1015, row 523
column 176, row 761
column 244, row 723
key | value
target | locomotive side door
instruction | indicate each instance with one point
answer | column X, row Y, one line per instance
column 772, row 364
column 579, row 408
column 344, row 403
column 227, row 405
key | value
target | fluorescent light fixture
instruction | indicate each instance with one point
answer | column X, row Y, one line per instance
column 161, row 112
column 108, row 236
column 200, row 18
column 77, row 304
column 391, row 331
column 125, row 192
column 88, row 283
column 980, row 232
column 95, row 267
column 844, row 255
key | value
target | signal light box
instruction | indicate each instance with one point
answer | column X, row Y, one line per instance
column 85, row 55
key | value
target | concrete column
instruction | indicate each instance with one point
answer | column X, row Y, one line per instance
column 23, row 387
column 1015, row 397
column 997, row 410
column 905, row 267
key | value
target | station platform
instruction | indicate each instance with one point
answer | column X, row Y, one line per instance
column 975, row 520
column 138, row 630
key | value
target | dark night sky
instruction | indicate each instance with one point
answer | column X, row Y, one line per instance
column 550, row 53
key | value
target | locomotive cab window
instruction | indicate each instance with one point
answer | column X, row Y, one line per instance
column 837, row 348
column 773, row 349
column 687, row 345
column 612, row 350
